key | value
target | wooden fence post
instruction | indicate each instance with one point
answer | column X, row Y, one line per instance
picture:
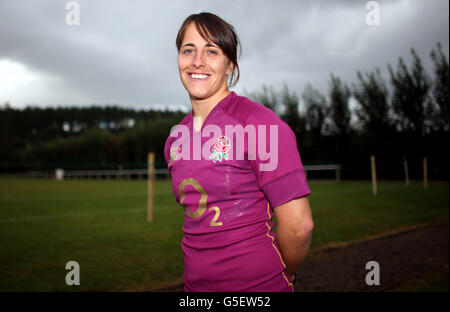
column 150, row 178
column 405, row 168
column 425, row 173
column 374, row 175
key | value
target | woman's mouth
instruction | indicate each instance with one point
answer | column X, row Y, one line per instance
column 198, row 76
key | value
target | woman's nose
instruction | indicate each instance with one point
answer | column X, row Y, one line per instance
column 198, row 60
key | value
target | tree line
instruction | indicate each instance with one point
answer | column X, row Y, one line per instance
column 405, row 116
column 82, row 138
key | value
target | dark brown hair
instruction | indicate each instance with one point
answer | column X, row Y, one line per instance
column 214, row 29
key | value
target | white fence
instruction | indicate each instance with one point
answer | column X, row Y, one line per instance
column 336, row 168
column 116, row 174
column 29, row 174
column 134, row 173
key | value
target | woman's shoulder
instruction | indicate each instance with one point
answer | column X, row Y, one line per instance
column 186, row 119
column 181, row 127
column 247, row 111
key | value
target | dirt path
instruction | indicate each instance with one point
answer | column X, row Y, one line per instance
column 401, row 256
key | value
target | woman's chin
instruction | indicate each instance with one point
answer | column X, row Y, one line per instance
column 198, row 95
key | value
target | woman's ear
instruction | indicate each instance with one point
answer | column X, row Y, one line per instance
column 230, row 68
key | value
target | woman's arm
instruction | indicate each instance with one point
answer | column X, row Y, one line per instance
column 294, row 231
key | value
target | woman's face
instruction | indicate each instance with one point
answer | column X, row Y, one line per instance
column 202, row 65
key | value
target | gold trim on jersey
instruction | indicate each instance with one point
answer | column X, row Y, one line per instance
column 275, row 247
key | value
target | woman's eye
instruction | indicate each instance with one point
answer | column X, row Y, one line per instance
column 187, row 51
column 212, row 52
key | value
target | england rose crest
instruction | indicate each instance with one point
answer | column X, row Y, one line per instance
column 220, row 149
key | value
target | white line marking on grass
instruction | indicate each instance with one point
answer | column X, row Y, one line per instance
column 70, row 215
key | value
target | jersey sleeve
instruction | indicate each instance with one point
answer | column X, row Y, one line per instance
column 279, row 171
column 167, row 146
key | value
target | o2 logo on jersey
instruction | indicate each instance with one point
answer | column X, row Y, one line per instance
column 201, row 204
column 220, row 149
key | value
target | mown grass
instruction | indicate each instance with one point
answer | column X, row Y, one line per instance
column 102, row 225
column 348, row 211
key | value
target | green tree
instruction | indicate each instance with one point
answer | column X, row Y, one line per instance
column 317, row 110
column 339, row 106
column 372, row 96
column 410, row 99
column 291, row 115
column 441, row 87
column 266, row 97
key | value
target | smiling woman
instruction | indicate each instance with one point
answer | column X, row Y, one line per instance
column 207, row 60
column 228, row 199
column 213, row 30
column 203, row 67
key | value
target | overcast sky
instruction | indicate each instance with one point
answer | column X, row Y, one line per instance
column 123, row 52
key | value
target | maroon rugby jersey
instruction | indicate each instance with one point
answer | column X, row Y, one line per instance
column 228, row 176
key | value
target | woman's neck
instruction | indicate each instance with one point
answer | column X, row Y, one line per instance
column 202, row 108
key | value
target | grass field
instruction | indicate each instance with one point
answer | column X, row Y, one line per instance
column 102, row 225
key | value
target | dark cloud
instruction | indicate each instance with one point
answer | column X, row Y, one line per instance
column 124, row 52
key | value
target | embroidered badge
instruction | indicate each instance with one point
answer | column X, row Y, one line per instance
column 220, row 149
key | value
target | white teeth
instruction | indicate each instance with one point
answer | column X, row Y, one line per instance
column 197, row 76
